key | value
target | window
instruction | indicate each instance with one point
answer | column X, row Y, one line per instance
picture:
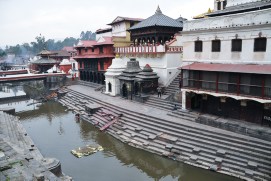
column 236, row 45
column 101, row 50
column 260, row 45
column 224, row 4
column 198, row 46
column 219, row 5
column 216, row 46
column 92, row 49
column 86, row 50
column 101, row 65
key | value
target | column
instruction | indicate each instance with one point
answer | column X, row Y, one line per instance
column 183, row 99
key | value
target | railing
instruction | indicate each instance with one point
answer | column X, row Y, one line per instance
column 261, row 91
column 141, row 49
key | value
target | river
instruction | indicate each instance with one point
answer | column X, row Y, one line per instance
column 55, row 132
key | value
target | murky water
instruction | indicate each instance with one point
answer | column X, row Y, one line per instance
column 56, row 133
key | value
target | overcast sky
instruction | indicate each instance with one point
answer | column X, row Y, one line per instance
column 22, row 20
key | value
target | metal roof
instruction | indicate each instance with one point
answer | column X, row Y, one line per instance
column 158, row 19
column 235, row 68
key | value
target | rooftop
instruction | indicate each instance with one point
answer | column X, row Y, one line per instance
column 158, row 19
column 121, row 19
column 241, row 8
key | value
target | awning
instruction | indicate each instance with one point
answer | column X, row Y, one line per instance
column 236, row 68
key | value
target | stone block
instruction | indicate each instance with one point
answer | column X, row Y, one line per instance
column 221, row 152
column 138, row 129
column 169, row 146
column 252, row 165
column 196, row 150
column 193, row 158
column 218, row 160
column 152, row 137
column 249, row 173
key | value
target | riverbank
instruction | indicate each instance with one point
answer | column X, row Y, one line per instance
column 192, row 143
column 20, row 159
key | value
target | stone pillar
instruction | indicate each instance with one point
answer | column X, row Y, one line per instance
column 183, row 99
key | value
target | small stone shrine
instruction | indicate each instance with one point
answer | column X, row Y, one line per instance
column 146, row 81
column 127, row 78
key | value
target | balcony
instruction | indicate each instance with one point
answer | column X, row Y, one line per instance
column 237, row 89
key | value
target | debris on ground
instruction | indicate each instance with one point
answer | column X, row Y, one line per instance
column 86, row 150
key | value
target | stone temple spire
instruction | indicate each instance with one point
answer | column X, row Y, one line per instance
column 158, row 11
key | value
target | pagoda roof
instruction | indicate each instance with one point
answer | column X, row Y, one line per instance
column 61, row 53
column 241, row 8
column 45, row 52
column 91, row 43
column 146, row 74
column 69, row 49
column 45, row 61
column 158, row 19
column 121, row 18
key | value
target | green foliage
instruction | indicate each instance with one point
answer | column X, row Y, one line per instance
column 41, row 43
column 2, row 54
column 88, row 35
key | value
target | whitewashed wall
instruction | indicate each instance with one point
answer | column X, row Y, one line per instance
column 246, row 26
column 119, row 29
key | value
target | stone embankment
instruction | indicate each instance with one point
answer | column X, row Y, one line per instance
column 20, row 159
column 176, row 138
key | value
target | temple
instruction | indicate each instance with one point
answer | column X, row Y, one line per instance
column 226, row 67
column 153, row 42
column 94, row 57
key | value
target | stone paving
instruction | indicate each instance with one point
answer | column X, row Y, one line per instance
column 154, row 130
column 20, row 160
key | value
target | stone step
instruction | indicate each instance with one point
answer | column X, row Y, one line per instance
column 136, row 122
column 214, row 133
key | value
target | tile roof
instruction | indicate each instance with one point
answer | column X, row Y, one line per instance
column 91, row 43
column 251, row 6
column 103, row 30
column 158, row 19
column 69, row 49
column 45, row 61
column 236, row 68
column 61, row 53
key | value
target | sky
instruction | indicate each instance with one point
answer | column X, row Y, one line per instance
column 22, row 20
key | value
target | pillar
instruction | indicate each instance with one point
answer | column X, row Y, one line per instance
column 184, row 100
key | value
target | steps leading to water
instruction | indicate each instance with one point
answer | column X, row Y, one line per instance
column 194, row 144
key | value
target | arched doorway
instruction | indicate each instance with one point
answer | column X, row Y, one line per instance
column 109, row 87
column 137, row 89
column 124, row 91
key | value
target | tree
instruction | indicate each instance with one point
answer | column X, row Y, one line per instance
column 87, row 36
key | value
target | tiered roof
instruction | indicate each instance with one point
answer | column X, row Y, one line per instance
column 158, row 19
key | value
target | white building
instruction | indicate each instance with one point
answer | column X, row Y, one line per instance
column 159, row 49
column 227, row 61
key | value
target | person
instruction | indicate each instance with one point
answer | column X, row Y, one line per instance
column 175, row 107
column 159, row 91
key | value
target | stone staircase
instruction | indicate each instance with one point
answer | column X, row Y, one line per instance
column 162, row 103
column 173, row 86
column 90, row 84
column 195, row 144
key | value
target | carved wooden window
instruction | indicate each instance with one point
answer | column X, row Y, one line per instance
column 198, row 46
column 260, row 44
column 236, row 45
column 101, row 50
column 216, row 46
